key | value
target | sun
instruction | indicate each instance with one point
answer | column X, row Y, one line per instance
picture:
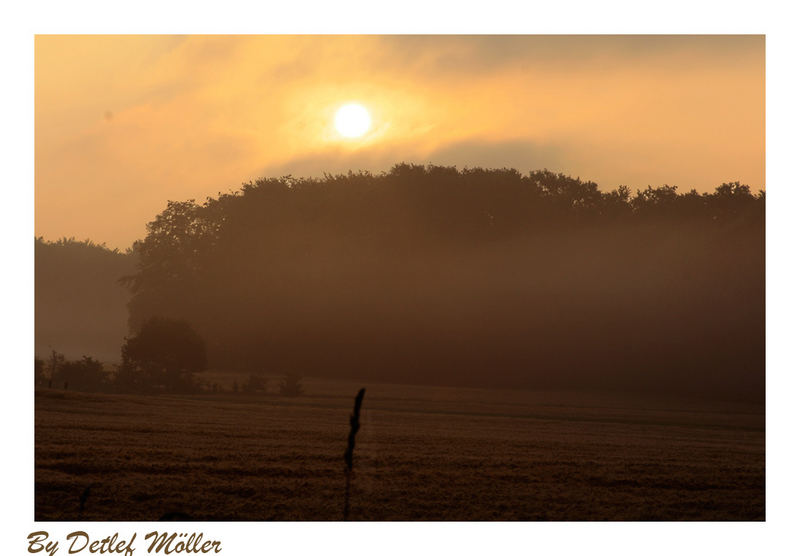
column 352, row 120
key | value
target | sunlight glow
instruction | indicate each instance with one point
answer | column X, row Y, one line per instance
column 352, row 120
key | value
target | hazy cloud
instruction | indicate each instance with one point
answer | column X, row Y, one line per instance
column 124, row 123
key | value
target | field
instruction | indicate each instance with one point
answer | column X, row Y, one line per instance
column 423, row 453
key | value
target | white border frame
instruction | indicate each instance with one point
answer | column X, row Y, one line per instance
column 22, row 21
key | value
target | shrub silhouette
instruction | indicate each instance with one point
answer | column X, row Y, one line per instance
column 255, row 384
column 163, row 356
column 39, row 377
column 86, row 374
column 291, row 385
column 54, row 363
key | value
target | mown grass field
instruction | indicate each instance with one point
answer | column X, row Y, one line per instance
column 423, row 453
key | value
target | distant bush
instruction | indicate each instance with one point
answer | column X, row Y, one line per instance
column 52, row 367
column 255, row 384
column 163, row 356
column 39, row 378
column 86, row 374
column 291, row 385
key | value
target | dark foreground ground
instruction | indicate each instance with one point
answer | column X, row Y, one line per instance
column 423, row 453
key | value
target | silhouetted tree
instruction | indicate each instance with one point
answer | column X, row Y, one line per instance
column 659, row 199
column 55, row 361
column 164, row 355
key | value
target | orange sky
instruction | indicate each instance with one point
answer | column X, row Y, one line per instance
column 124, row 123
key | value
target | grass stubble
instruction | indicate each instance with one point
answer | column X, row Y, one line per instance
column 424, row 454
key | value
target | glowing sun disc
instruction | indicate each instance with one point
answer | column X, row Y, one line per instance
column 352, row 120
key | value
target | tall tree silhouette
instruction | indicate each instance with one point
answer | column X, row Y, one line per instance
column 164, row 355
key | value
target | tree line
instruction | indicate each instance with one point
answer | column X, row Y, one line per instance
column 80, row 305
column 473, row 277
